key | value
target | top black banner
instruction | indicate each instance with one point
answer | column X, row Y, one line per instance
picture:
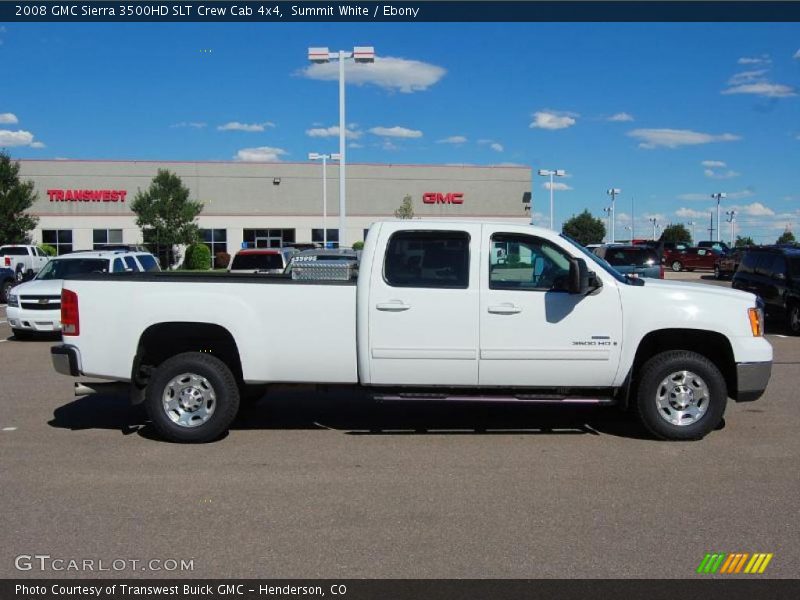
column 423, row 11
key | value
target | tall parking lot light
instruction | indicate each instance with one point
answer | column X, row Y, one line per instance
column 607, row 210
column 551, row 173
column 732, row 220
column 691, row 224
column 718, row 196
column 324, row 158
column 359, row 54
column 613, row 192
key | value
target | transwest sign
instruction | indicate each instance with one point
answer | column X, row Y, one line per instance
column 87, row 195
column 439, row 198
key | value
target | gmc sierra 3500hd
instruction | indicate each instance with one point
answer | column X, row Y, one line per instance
column 434, row 315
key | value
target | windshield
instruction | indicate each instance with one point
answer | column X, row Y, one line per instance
column 596, row 259
column 257, row 262
column 637, row 257
column 60, row 268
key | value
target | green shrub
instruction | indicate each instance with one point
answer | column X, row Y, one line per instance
column 358, row 246
column 197, row 258
column 48, row 249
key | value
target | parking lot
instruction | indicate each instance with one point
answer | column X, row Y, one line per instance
column 326, row 486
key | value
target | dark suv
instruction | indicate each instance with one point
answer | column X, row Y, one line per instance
column 774, row 275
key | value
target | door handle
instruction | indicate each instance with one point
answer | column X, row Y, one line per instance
column 504, row 309
column 393, row 306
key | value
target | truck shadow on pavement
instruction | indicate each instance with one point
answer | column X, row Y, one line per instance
column 359, row 416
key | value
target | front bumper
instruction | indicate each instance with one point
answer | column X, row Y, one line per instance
column 34, row 320
column 751, row 380
column 66, row 359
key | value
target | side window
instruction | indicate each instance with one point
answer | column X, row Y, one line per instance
column 130, row 263
column 764, row 264
column 427, row 259
column 778, row 266
column 748, row 263
column 118, row 266
column 148, row 262
column 530, row 263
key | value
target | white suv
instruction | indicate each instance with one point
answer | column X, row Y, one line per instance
column 35, row 306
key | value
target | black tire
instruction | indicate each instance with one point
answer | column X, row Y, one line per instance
column 656, row 371
column 793, row 318
column 22, row 334
column 6, row 288
column 677, row 266
column 19, row 275
column 224, row 390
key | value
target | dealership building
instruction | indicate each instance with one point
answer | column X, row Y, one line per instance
column 86, row 204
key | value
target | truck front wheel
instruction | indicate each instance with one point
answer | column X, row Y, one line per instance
column 681, row 395
column 192, row 397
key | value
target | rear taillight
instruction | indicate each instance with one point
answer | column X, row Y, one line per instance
column 8, row 261
column 70, row 317
column 661, row 271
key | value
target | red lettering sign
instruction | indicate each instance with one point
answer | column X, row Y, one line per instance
column 439, row 198
column 87, row 195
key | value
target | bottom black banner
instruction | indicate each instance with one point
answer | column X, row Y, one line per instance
column 402, row 589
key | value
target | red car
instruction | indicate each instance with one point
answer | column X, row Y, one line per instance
column 691, row 259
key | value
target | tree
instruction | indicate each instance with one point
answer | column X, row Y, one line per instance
column 787, row 237
column 745, row 240
column 406, row 210
column 166, row 215
column 585, row 229
column 359, row 245
column 16, row 197
column 675, row 233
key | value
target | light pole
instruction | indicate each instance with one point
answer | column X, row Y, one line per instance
column 630, row 235
column 653, row 220
column 609, row 240
column 359, row 54
column 613, row 192
column 324, row 158
column 732, row 220
column 718, row 196
column 691, row 224
column 551, row 173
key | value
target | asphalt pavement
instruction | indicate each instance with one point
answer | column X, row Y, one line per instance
column 338, row 487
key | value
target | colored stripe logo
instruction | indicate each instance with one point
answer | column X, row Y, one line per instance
column 734, row 563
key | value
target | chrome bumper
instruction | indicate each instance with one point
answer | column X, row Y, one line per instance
column 65, row 360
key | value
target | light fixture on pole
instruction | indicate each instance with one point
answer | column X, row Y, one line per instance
column 653, row 220
column 607, row 210
column 732, row 220
column 613, row 192
column 359, row 54
column 630, row 235
column 552, row 173
column 718, row 196
column 324, row 158
column 691, row 224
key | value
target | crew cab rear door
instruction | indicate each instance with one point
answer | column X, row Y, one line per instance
column 532, row 334
column 423, row 306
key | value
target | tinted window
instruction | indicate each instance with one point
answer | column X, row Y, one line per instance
column 256, row 262
column 59, row 269
column 631, row 256
column 131, row 264
column 118, row 266
column 749, row 262
column 794, row 268
column 148, row 262
column 778, row 265
column 14, row 251
column 428, row 259
column 526, row 262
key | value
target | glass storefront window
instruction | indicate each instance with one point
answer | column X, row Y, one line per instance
column 60, row 239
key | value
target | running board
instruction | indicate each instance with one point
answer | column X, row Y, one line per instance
column 518, row 398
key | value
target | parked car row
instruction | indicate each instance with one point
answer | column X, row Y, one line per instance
column 23, row 260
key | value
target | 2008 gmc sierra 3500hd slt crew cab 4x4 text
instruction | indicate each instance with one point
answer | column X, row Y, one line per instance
column 434, row 315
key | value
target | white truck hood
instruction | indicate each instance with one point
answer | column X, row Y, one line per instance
column 44, row 287
column 682, row 288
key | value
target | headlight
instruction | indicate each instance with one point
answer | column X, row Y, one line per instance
column 13, row 300
column 756, row 316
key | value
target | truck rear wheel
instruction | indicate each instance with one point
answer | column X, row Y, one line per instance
column 681, row 395
column 192, row 397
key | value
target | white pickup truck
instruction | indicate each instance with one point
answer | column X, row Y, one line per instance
column 434, row 316
column 24, row 260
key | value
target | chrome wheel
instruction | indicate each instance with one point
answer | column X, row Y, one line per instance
column 794, row 318
column 676, row 266
column 682, row 398
column 189, row 400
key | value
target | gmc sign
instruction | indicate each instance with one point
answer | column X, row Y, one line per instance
column 439, row 198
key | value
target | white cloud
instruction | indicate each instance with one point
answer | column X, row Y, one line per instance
column 729, row 174
column 690, row 213
column 355, row 145
column 745, row 193
column 453, row 139
column 396, row 131
column 260, row 154
column 674, row 138
column 797, row 55
column 192, row 124
column 389, row 145
column 8, row 118
column 620, row 118
column 496, row 147
column 332, row 131
column 756, row 209
column 551, row 119
column 508, row 164
column 763, row 88
column 251, row 127
column 714, row 164
column 397, row 74
column 764, row 59
column 9, row 139
column 557, row 186
column 747, row 77
column 37, row 145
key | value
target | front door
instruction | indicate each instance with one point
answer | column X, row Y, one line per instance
column 423, row 310
column 532, row 334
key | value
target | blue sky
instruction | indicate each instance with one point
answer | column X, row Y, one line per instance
column 669, row 113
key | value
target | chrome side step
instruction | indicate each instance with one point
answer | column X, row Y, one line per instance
column 521, row 398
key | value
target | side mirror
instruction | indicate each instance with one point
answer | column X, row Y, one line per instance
column 578, row 276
